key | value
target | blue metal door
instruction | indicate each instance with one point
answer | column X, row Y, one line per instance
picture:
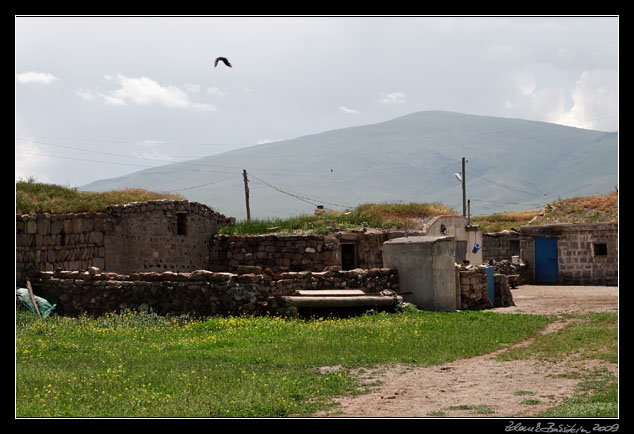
column 489, row 271
column 545, row 259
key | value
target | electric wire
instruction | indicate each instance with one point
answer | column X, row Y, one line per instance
column 304, row 198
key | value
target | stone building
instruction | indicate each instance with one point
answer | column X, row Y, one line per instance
column 568, row 253
column 156, row 235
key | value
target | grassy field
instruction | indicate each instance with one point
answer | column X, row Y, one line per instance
column 144, row 365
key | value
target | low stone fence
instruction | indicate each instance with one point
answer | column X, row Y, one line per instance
column 201, row 293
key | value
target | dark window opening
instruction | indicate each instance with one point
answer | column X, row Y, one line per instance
column 348, row 256
column 600, row 249
column 181, row 224
column 515, row 247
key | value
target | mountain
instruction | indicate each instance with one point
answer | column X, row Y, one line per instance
column 512, row 164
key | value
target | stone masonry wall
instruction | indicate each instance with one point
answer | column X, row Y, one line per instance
column 473, row 289
column 295, row 253
column 579, row 263
column 69, row 241
column 500, row 245
column 140, row 236
column 160, row 236
column 200, row 292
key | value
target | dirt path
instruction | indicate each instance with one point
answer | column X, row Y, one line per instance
column 482, row 386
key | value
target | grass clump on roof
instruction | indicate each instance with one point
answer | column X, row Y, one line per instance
column 32, row 196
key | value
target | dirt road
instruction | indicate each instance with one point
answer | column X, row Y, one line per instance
column 481, row 386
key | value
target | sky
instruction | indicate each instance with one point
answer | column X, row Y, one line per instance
column 99, row 97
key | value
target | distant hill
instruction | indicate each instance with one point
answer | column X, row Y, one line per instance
column 513, row 164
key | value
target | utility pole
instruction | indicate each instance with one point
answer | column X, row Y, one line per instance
column 246, row 192
column 464, row 192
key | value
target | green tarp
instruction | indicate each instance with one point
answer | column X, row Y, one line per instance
column 44, row 305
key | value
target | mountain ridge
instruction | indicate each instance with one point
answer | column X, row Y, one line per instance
column 411, row 158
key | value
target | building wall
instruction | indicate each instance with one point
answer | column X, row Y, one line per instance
column 150, row 237
column 579, row 261
column 142, row 236
column 45, row 241
column 457, row 227
column 426, row 269
column 295, row 253
column 499, row 246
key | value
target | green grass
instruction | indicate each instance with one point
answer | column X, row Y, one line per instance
column 380, row 216
column 591, row 336
column 31, row 196
column 504, row 221
column 144, row 365
column 475, row 409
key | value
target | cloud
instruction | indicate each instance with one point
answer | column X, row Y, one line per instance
column 215, row 91
column 145, row 91
column 348, row 110
column 595, row 101
column 392, row 97
column 35, row 77
column 85, row 94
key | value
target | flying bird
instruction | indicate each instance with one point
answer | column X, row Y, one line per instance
column 223, row 60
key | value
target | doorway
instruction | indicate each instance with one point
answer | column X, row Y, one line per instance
column 348, row 256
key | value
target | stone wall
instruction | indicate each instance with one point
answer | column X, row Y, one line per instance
column 46, row 241
column 160, row 236
column 473, row 289
column 296, row 253
column 200, row 292
column 500, row 245
column 579, row 256
column 140, row 236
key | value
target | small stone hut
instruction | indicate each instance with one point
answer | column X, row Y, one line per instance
column 155, row 235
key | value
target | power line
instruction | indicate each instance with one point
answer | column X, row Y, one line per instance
column 201, row 185
column 133, row 141
column 303, row 198
column 121, row 155
column 502, row 185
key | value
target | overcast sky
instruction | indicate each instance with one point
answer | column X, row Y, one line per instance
column 100, row 97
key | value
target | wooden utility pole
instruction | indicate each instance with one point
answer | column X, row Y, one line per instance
column 464, row 192
column 246, row 192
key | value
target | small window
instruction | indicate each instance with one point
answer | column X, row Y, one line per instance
column 600, row 249
column 181, row 223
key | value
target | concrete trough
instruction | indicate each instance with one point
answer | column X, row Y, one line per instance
column 426, row 269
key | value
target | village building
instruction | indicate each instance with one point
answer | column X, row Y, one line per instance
column 569, row 253
column 167, row 254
